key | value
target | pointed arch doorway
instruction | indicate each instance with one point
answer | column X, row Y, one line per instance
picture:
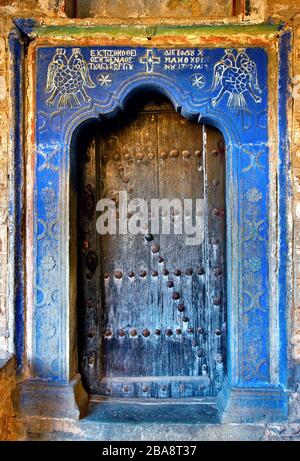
column 152, row 308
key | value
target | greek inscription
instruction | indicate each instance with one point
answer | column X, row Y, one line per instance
column 185, row 59
column 112, row 60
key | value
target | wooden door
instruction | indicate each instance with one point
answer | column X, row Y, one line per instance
column 152, row 309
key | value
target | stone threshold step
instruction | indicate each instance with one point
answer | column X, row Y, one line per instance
column 150, row 411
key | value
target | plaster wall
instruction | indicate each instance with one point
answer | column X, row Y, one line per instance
column 7, row 384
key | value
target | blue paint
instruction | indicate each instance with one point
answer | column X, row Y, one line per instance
column 16, row 194
column 26, row 26
column 187, row 82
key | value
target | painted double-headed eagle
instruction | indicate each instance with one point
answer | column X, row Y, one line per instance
column 236, row 74
column 67, row 78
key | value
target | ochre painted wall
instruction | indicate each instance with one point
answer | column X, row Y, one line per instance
column 7, row 383
column 295, row 157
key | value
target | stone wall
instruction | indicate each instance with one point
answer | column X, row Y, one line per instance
column 155, row 8
column 12, row 8
column 282, row 9
column 4, row 155
column 7, row 384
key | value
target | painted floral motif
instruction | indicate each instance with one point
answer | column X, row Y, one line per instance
column 48, row 329
column 104, row 80
column 253, row 264
column 197, row 81
column 254, row 195
column 48, row 263
column 48, row 196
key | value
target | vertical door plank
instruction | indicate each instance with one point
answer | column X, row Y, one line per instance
column 215, row 245
column 129, row 164
column 89, row 292
column 181, row 177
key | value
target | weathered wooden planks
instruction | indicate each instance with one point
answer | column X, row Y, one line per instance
column 137, row 340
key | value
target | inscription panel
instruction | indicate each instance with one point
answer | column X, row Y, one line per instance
column 76, row 76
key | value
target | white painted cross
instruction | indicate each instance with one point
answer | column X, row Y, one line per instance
column 149, row 59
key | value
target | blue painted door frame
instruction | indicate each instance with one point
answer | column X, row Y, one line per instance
column 227, row 88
